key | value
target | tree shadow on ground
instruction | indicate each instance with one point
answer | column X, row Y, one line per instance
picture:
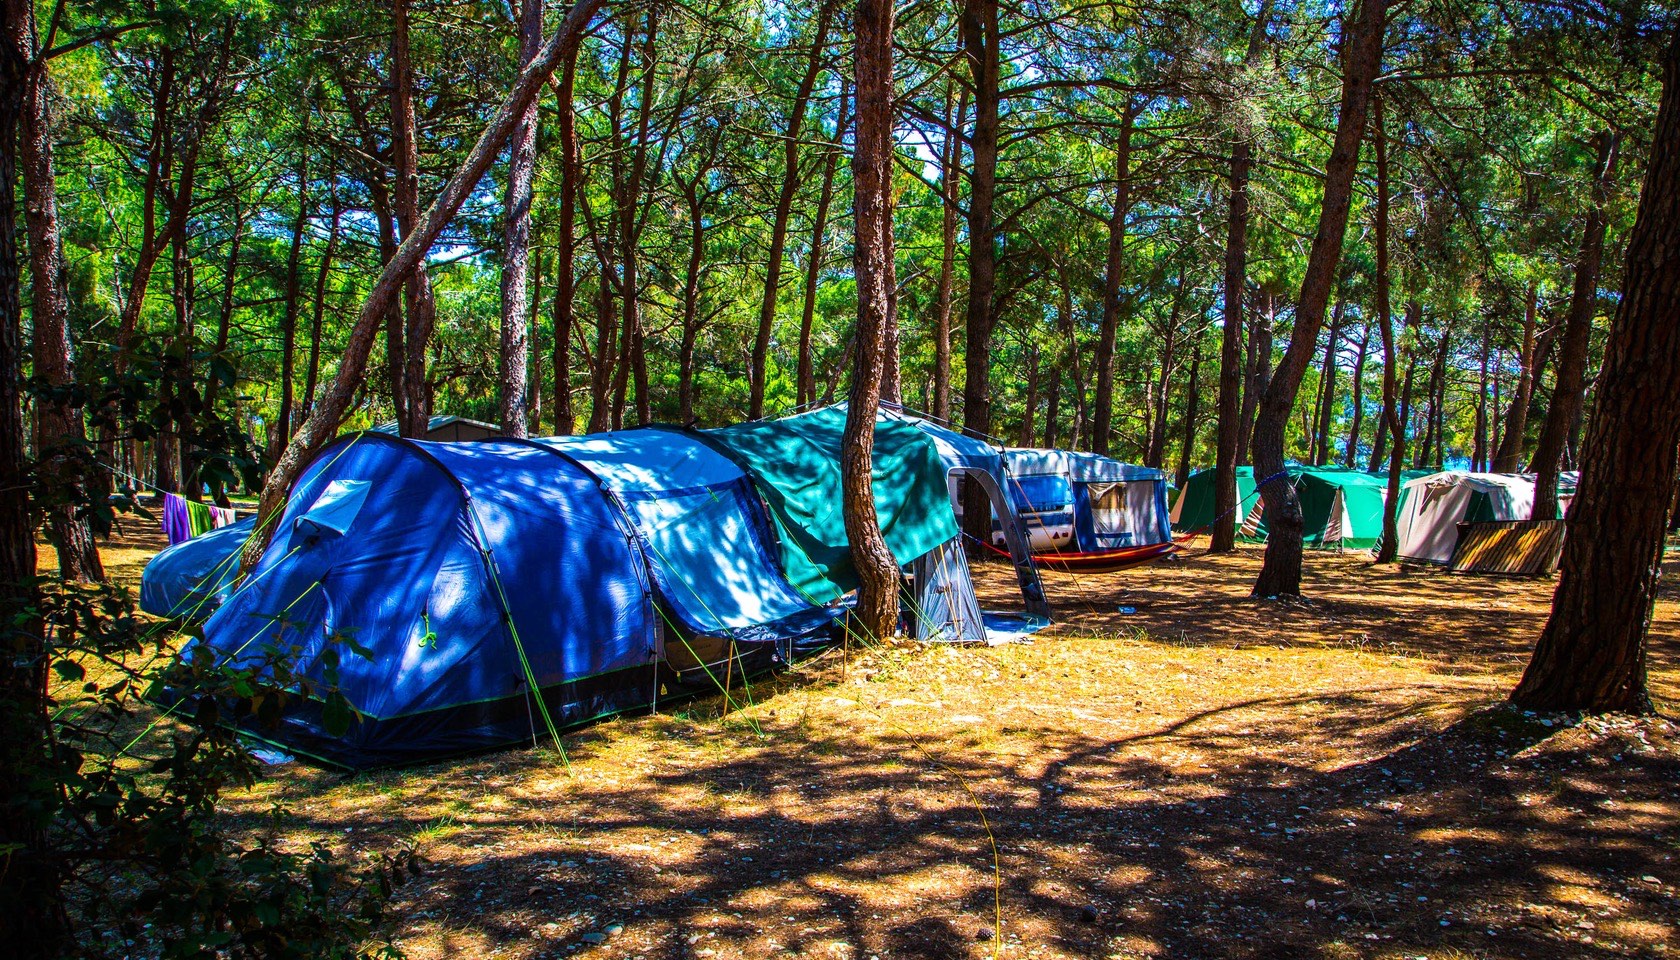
column 1498, row 834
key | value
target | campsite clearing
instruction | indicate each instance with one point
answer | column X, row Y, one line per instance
column 1204, row 777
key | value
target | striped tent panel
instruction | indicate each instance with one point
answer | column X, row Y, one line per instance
column 1527, row 548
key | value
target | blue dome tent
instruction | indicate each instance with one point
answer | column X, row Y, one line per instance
column 495, row 587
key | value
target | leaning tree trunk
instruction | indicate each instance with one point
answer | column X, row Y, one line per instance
column 1591, row 654
column 1280, row 574
column 877, row 608
column 1114, row 271
column 1570, row 392
column 516, row 244
column 324, row 421
column 59, row 432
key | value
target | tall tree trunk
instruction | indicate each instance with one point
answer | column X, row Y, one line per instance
column 565, row 246
column 1230, row 446
column 1028, row 427
column 1478, row 454
column 1114, row 273
column 59, row 431
column 1570, row 393
column 1350, row 456
column 691, row 300
column 1327, row 389
column 1259, row 368
column 1192, row 390
column 978, row 30
column 1230, row 416
column 1591, row 654
column 760, row 373
column 352, row 367
column 877, row 607
column 806, row 387
column 312, row 375
column 1427, row 453
column 950, row 190
column 516, row 243
column 293, row 294
column 413, row 410
column 1053, row 409
column 633, row 371
column 1280, row 573
column 1156, row 454
column 1507, row 457
column 979, row 35
column 1392, row 419
column 33, row 921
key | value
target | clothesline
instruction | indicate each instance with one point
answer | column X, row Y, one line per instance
column 183, row 519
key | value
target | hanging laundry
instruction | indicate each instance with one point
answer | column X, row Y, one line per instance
column 183, row 519
column 177, row 522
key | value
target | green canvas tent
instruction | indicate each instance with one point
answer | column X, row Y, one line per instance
column 1340, row 508
column 796, row 464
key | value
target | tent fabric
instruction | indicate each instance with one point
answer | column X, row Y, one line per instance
column 946, row 609
column 702, row 529
column 471, row 573
column 1340, row 508
column 795, row 462
column 1433, row 507
column 982, row 463
column 190, row 579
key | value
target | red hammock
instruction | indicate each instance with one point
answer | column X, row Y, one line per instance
column 1104, row 561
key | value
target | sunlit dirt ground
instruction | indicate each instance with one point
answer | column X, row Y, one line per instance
column 1205, row 776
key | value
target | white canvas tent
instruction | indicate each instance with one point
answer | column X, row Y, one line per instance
column 1432, row 507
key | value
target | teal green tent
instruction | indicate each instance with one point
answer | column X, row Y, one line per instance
column 1193, row 510
column 1340, row 507
column 795, row 462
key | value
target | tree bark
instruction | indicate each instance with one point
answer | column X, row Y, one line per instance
column 1391, row 423
column 59, row 430
column 1192, row 390
column 516, row 243
column 413, row 407
column 1569, row 396
column 1507, row 458
column 565, row 246
column 1280, row 573
column 1591, row 654
column 312, row 375
column 806, row 387
column 760, row 372
column 950, row 169
column 1259, row 372
column 32, row 916
column 1230, row 417
column 352, row 368
column 1114, row 272
column 1327, row 389
column 1156, row 453
column 979, row 33
column 1350, row 456
column 289, row 315
column 877, row 608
